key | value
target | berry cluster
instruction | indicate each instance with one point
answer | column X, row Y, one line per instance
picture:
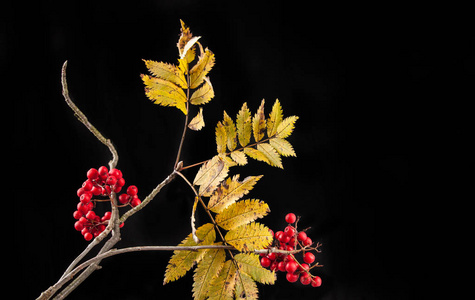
column 290, row 239
column 98, row 187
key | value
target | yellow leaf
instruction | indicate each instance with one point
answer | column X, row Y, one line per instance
column 230, row 191
column 201, row 69
column 286, row 127
column 164, row 92
column 249, row 264
column 221, row 138
column 188, row 46
column 256, row 154
column 206, row 271
column 246, row 287
column 210, row 175
column 259, row 123
column 182, row 261
column 272, row 155
column 185, row 37
column 230, row 132
column 275, row 118
column 204, row 94
column 239, row 157
column 222, row 287
column 244, row 125
column 242, row 212
column 249, row 237
column 198, row 122
column 282, row 146
column 167, row 72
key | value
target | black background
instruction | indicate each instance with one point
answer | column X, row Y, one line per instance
column 365, row 80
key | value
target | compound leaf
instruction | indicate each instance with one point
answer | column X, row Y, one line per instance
column 242, row 212
column 222, row 287
column 210, row 175
column 206, row 271
column 249, row 237
column 244, row 125
column 249, row 264
column 182, row 261
column 230, row 191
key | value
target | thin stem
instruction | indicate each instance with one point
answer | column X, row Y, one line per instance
column 185, row 127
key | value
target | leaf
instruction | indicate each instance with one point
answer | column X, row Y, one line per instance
column 201, row 69
column 286, row 127
column 249, row 264
column 204, row 94
column 188, row 46
column 275, row 118
column 271, row 154
column 164, row 92
column 210, row 175
column 249, row 237
column 259, row 123
column 185, row 37
column 230, row 191
column 198, row 122
column 222, row 287
column 242, row 212
column 282, row 146
column 246, row 287
column 221, row 139
column 230, row 132
column 244, row 125
column 167, row 72
column 182, row 261
column 206, row 271
column 256, row 154
column 239, row 157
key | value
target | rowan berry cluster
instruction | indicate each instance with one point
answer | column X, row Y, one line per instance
column 290, row 239
column 98, row 187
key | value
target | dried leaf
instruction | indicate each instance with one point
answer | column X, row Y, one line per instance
column 259, row 123
column 275, row 118
column 222, row 287
column 201, row 69
column 249, row 237
column 167, row 72
column 256, row 154
column 239, row 157
column 164, row 92
column 210, row 175
column 249, row 263
column 242, row 212
column 230, row 191
column 246, row 287
column 182, row 261
column 230, row 132
column 286, row 127
column 198, row 122
column 185, row 37
column 221, row 139
column 204, row 94
column 206, row 271
column 282, row 146
column 187, row 47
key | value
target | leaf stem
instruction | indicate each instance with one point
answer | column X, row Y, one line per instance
column 185, row 127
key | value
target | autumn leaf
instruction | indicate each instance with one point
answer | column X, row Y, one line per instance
column 206, row 271
column 230, row 132
column 275, row 118
column 239, row 157
column 210, row 175
column 244, row 125
column 271, row 154
column 222, row 287
column 259, row 123
column 242, row 212
column 230, row 191
column 201, row 69
column 286, row 127
column 164, row 92
column 221, row 138
column 198, row 122
column 249, row 237
column 204, row 94
column 182, row 261
column 246, row 287
column 283, row 147
column 167, row 72
column 249, row 263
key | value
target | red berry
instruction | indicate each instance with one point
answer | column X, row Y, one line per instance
column 96, row 190
column 291, row 267
column 116, row 173
column 80, row 192
column 91, row 215
column 285, row 239
column 281, row 266
column 87, row 185
column 78, row 226
column 290, row 218
column 88, row 236
column 83, row 208
column 316, row 282
column 124, row 198
column 132, row 190
column 135, row 202
column 92, row 174
column 273, row 266
column 271, row 256
column 305, row 279
column 120, row 182
column 86, row 197
column 107, row 216
column 77, row 214
column 302, row 236
column 308, row 241
column 279, row 235
column 309, row 258
column 289, row 231
column 265, row 262
column 292, row 277
column 103, row 172
column 304, row 267
column 111, row 180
